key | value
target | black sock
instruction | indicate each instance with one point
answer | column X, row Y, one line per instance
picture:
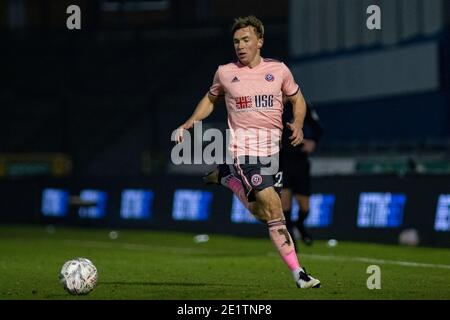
column 302, row 215
column 287, row 217
column 290, row 226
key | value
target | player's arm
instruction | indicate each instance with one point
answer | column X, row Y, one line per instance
column 204, row 108
column 299, row 112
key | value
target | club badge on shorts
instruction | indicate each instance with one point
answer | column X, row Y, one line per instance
column 256, row 180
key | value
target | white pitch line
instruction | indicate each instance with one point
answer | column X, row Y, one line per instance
column 378, row 261
column 182, row 250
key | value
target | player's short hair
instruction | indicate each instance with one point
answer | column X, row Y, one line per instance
column 243, row 22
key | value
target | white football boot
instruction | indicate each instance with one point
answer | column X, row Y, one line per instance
column 305, row 281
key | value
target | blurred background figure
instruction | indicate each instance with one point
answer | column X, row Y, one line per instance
column 297, row 171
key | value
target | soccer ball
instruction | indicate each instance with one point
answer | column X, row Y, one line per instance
column 78, row 276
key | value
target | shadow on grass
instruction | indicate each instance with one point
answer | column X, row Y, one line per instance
column 65, row 296
column 174, row 284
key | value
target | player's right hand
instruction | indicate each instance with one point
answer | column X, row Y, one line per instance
column 180, row 130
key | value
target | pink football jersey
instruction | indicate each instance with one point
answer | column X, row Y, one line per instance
column 254, row 103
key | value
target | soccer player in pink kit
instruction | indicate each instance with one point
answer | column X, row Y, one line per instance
column 253, row 88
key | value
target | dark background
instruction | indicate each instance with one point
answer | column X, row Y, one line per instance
column 99, row 104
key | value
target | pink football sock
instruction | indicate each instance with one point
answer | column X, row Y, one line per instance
column 235, row 185
column 283, row 242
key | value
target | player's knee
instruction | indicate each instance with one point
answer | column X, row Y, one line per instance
column 262, row 214
column 275, row 215
column 261, row 218
column 272, row 213
column 269, row 204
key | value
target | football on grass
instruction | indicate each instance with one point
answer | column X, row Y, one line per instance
column 78, row 276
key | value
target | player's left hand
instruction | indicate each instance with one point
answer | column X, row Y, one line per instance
column 297, row 134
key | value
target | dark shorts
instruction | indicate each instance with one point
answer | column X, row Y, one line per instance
column 257, row 173
column 296, row 175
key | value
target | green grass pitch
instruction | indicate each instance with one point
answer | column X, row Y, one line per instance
column 168, row 265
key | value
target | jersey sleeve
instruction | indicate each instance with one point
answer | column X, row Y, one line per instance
column 216, row 88
column 289, row 86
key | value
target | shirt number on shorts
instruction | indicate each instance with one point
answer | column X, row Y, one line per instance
column 279, row 180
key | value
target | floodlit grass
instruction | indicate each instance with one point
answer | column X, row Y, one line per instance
column 169, row 265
